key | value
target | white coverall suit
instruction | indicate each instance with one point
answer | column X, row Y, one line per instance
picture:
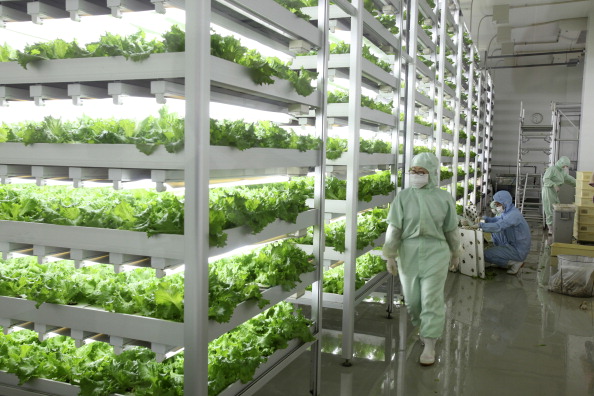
column 423, row 232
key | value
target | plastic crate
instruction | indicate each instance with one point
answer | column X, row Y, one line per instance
column 585, row 201
column 580, row 175
column 583, row 227
column 584, row 236
column 584, row 219
column 584, row 185
column 584, row 192
column 584, row 211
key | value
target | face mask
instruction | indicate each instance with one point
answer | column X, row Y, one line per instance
column 418, row 181
column 495, row 211
column 499, row 209
column 566, row 169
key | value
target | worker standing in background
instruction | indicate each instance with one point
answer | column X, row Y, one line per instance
column 511, row 234
column 554, row 177
column 423, row 233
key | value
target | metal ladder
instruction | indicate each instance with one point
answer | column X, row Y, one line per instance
column 531, row 202
column 534, row 156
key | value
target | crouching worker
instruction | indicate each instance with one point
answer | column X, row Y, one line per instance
column 423, row 234
column 511, row 235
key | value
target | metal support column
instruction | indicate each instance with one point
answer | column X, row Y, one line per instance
column 352, row 178
column 458, row 105
column 319, row 242
column 411, row 87
column 197, row 144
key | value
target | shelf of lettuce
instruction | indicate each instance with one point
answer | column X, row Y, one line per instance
column 109, row 69
column 425, row 70
column 276, row 27
column 372, row 29
column 368, row 116
column 226, row 77
column 10, row 385
column 336, row 301
column 273, row 366
column 372, row 75
column 123, row 162
column 332, row 254
column 339, row 206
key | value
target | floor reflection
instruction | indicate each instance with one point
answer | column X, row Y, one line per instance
column 505, row 336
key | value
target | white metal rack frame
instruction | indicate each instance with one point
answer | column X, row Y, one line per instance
column 361, row 73
column 198, row 71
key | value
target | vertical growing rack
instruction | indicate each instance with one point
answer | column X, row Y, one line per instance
column 363, row 29
column 439, row 94
column 200, row 79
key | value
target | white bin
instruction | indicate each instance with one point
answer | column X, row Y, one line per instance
column 563, row 222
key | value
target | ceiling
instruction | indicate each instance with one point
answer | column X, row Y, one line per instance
column 508, row 30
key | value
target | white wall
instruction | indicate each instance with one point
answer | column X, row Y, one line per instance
column 586, row 149
column 536, row 87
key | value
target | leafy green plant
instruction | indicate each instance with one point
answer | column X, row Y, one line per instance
column 152, row 212
column 367, row 266
column 388, row 21
column 242, row 136
column 167, row 130
column 261, row 69
column 98, row 371
column 343, row 97
column 147, row 135
column 7, row 54
column 231, row 281
column 134, row 47
column 369, row 186
column 445, row 173
column 370, row 225
column 344, row 48
column 295, row 7
column 335, row 147
column 421, row 121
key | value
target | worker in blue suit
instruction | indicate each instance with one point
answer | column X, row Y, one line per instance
column 511, row 234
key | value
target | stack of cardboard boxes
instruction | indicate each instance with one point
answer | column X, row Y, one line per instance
column 583, row 228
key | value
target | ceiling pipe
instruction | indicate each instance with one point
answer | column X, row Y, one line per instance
column 536, row 54
column 546, row 4
column 535, row 65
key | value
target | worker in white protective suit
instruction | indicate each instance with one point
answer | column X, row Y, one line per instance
column 423, row 234
column 554, row 177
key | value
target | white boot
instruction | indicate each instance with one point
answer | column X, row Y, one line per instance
column 514, row 267
column 428, row 355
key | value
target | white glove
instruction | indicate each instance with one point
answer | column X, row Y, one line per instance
column 475, row 226
column 454, row 263
column 557, row 188
column 391, row 266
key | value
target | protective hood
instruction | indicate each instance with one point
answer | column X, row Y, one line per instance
column 504, row 198
column 563, row 161
column 430, row 162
